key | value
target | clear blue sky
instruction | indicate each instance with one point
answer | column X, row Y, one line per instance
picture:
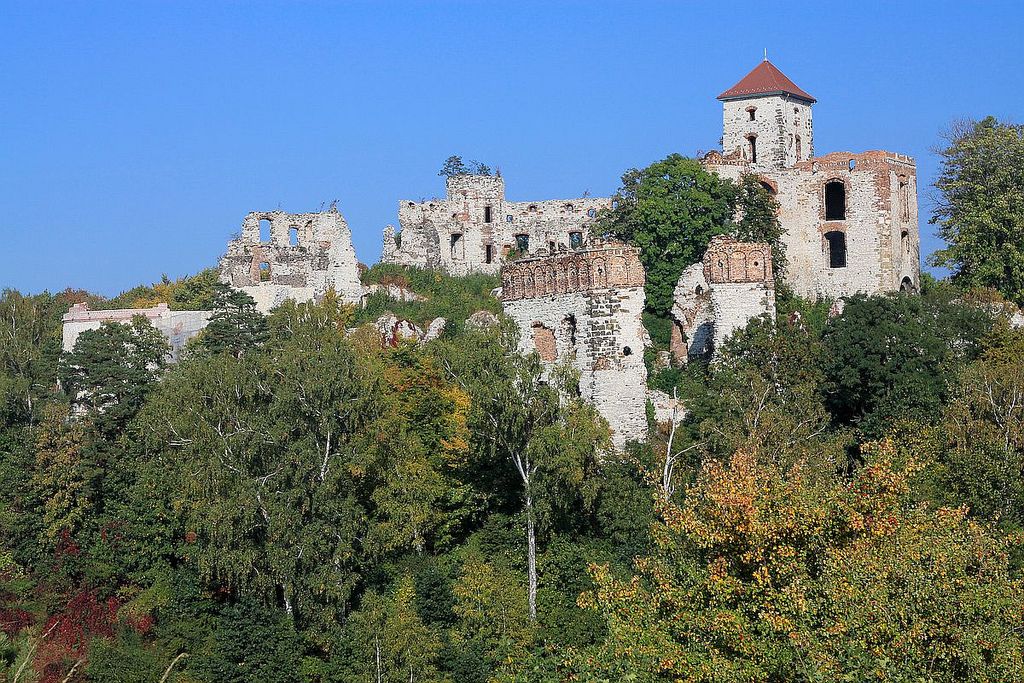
column 135, row 136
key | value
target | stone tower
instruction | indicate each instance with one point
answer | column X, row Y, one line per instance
column 766, row 118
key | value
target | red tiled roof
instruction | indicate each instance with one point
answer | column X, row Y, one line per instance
column 765, row 79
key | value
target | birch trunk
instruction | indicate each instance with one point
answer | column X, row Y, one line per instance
column 531, row 556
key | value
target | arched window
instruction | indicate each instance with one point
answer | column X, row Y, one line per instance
column 908, row 286
column 752, row 148
column 835, row 200
column 836, row 243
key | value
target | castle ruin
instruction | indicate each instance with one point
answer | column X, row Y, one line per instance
column 474, row 228
column 849, row 220
column 584, row 307
column 297, row 256
column 733, row 284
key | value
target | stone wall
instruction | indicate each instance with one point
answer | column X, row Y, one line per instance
column 177, row 326
column 781, row 127
column 720, row 295
column 474, row 228
column 303, row 256
column 584, row 307
column 879, row 227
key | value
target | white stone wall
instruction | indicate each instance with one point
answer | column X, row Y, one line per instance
column 779, row 120
column 606, row 346
column 322, row 258
column 735, row 304
column 427, row 228
column 879, row 258
column 177, row 326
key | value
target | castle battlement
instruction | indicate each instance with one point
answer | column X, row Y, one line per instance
column 601, row 265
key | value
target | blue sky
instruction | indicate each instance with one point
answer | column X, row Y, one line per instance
column 135, row 136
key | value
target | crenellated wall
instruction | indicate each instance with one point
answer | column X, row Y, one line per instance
column 584, row 307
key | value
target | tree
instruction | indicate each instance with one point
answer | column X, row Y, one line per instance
column 111, row 370
column 980, row 212
column 983, row 426
column 454, row 166
column 670, row 210
column 759, row 220
column 770, row 572
column 393, row 643
column 892, row 357
column 235, row 327
column 552, row 439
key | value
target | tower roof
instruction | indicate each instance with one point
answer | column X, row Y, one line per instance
column 765, row 79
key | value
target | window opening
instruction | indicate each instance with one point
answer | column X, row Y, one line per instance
column 835, row 201
column 487, row 214
column 551, row 247
column 264, row 230
column 575, row 240
column 752, row 112
column 456, row 244
column 836, row 241
column 752, row 148
column 488, row 253
column 293, row 236
column 264, row 272
column 591, row 213
column 508, row 218
column 523, row 243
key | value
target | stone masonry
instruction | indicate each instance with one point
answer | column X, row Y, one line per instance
column 850, row 220
column 584, row 307
column 713, row 299
column 177, row 326
column 474, row 228
column 299, row 256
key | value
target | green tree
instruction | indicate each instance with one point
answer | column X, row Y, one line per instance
column 787, row 572
column 111, row 370
column 980, row 212
column 670, row 210
column 393, row 643
column 758, row 220
column 892, row 357
column 454, row 166
column 235, row 327
column 534, row 421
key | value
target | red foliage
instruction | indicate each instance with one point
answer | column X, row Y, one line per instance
column 67, row 633
column 13, row 620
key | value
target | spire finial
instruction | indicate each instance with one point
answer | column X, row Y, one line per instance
column 766, row 54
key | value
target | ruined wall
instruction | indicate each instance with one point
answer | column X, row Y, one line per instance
column 781, row 126
column 177, row 326
column 474, row 227
column 720, row 295
column 879, row 227
column 304, row 255
column 585, row 307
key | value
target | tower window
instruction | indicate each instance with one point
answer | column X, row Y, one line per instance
column 835, row 200
column 487, row 214
column 752, row 113
column 456, row 244
column 591, row 213
column 551, row 247
column 752, row 148
column 853, row 164
column 836, row 242
column 265, row 274
column 264, row 230
column 488, row 253
column 523, row 243
column 508, row 218
column 904, row 198
column 293, row 236
column 575, row 240
column 799, row 147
